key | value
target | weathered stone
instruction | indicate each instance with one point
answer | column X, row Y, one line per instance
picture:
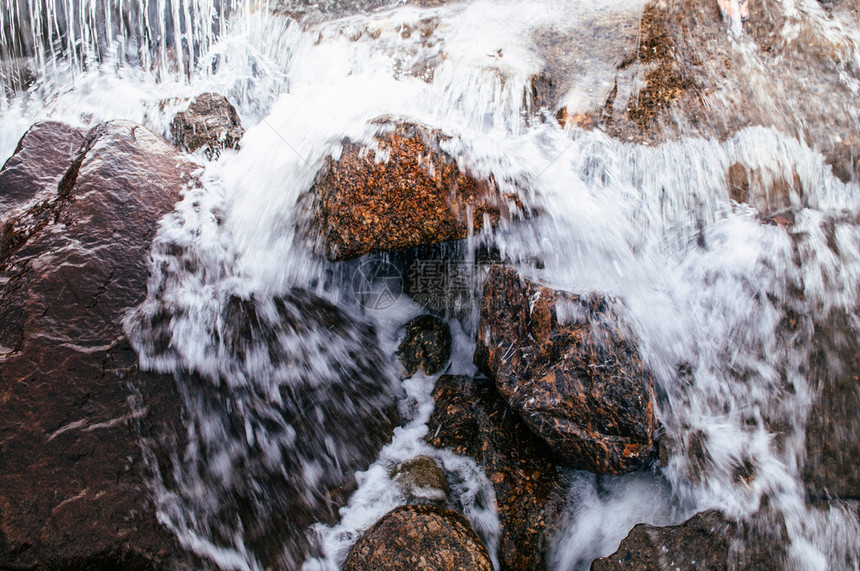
column 427, row 345
column 210, row 122
column 403, row 192
column 705, row 542
column 472, row 420
column 422, row 480
column 565, row 367
column 419, row 537
column 42, row 157
column 72, row 491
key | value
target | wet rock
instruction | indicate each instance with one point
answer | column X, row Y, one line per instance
column 472, row 420
column 565, row 366
column 42, row 157
column 72, row 478
column 403, row 192
column 739, row 184
column 297, row 398
column 419, row 537
column 427, row 345
column 210, row 122
column 700, row 544
column 832, row 446
column 422, row 480
column 706, row 542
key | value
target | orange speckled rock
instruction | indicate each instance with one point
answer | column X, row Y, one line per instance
column 563, row 364
column 472, row 419
column 417, row 195
column 419, row 538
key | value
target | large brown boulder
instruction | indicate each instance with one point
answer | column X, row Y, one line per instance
column 472, row 420
column 405, row 191
column 564, row 364
column 72, row 490
column 42, row 157
column 210, row 123
column 419, row 537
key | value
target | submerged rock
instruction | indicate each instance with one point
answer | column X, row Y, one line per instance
column 565, row 366
column 401, row 192
column 699, row 543
column 422, row 480
column 295, row 398
column 427, row 345
column 419, row 537
column 72, row 477
column 472, row 420
column 210, row 121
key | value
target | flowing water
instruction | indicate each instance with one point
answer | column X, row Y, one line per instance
column 727, row 311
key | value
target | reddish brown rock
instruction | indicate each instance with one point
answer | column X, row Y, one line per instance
column 472, row 420
column 564, row 365
column 407, row 192
column 41, row 159
column 210, row 122
column 72, row 492
column 422, row 538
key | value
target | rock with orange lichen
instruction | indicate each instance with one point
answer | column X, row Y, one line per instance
column 472, row 419
column 405, row 191
column 563, row 363
column 419, row 537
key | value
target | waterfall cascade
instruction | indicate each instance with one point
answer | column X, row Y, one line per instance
column 745, row 311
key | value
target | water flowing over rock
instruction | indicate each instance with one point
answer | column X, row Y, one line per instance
column 419, row 537
column 565, row 367
column 210, row 122
column 427, row 345
column 472, row 420
column 293, row 398
column 72, row 483
column 401, row 192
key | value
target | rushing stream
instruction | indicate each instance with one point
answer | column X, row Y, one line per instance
column 726, row 310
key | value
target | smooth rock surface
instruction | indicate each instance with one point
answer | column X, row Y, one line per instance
column 72, row 479
column 565, row 366
column 472, row 420
column 422, row 538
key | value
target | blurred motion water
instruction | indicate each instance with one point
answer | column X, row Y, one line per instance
column 745, row 310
